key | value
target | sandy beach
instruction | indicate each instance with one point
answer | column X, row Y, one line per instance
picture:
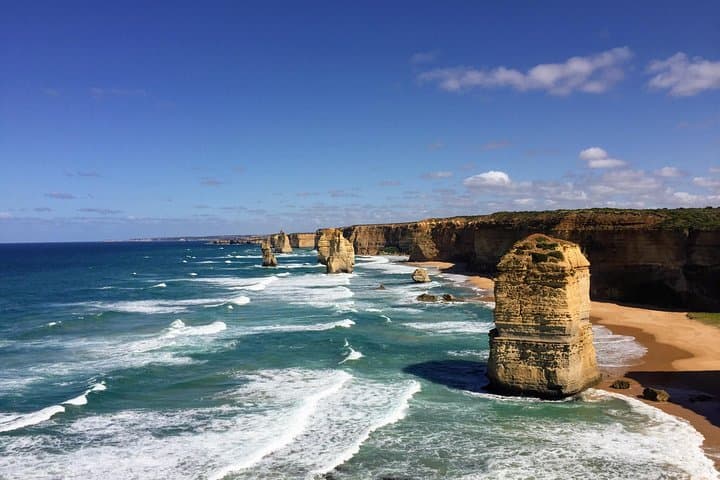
column 683, row 358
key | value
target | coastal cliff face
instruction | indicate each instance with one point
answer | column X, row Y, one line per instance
column 302, row 240
column 335, row 251
column 667, row 258
column 542, row 344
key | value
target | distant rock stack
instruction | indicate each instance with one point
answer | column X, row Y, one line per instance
column 335, row 251
column 542, row 344
column 269, row 259
column 281, row 243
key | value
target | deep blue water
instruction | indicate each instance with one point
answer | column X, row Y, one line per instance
column 188, row 360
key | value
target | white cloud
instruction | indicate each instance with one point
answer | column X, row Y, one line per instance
column 669, row 172
column 437, row 175
column 714, row 169
column 685, row 198
column 596, row 157
column 590, row 74
column 683, row 77
column 706, row 182
column 493, row 179
column 5, row 215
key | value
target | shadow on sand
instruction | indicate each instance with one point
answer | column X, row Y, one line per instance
column 460, row 374
column 697, row 391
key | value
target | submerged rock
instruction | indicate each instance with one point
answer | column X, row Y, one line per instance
column 381, row 287
column 269, row 259
column 542, row 344
column 335, row 251
column 427, row 297
column 420, row 275
column 449, row 297
column 655, row 394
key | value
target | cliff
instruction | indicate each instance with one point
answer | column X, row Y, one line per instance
column 268, row 258
column 302, row 240
column 666, row 258
column 542, row 342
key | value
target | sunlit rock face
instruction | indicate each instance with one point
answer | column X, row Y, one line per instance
column 335, row 251
column 542, row 344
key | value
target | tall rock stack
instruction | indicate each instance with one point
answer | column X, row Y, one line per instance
column 281, row 243
column 269, row 259
column 335, row 251
column 542, row 344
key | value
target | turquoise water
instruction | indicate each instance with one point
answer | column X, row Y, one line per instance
column 186, row 360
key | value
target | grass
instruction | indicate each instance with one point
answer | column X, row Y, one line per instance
column 706, row 317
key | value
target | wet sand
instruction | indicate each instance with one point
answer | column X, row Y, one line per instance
column 683, row 358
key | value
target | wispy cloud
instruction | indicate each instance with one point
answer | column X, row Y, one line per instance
column 669, row 172
column 61, row 196
column 596, row 157
column 496, row 145
column 99, row 93
column 684, row 77
column 436, row 146
column 590, row 74
column 424, row 57
column 100, row 211
column 211, row 182
column 389, row 183
column 42, row 209
column 83, row 173
column 51, row 92
column 342, row 194
column 437, row 175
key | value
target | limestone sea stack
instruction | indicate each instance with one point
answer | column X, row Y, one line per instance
column 335, row 251
column 281, row 243
column 420, row 275
column 269, row 259
column 542, row 343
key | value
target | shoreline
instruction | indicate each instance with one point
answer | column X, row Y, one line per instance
column 682, row 357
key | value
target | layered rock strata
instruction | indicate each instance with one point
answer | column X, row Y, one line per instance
column 302, row 240
column 268, row 258
column 542, row 343
column 335, row 251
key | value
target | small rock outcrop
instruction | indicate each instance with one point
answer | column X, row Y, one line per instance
column 335, row 251
column 620, row 385
column 427, row 297
column 420, row 275
column 269, row 259
column 656, row 395
column 542, row 344
column 281, row 243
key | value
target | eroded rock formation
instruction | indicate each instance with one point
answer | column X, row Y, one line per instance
column 420, row 275
column 542, row 341
column 269, row 259
column 281, row 243
column 335, row 251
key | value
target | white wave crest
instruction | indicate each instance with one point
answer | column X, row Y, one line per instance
column 450, row 327
column 160, row 285
column 317, row 327
column 178, row 328
column 352, row 355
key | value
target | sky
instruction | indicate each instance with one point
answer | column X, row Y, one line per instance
column 124, row 120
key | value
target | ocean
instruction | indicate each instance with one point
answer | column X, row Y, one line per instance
column 189, row 360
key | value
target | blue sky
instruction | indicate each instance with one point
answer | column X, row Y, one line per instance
column 138, row 119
